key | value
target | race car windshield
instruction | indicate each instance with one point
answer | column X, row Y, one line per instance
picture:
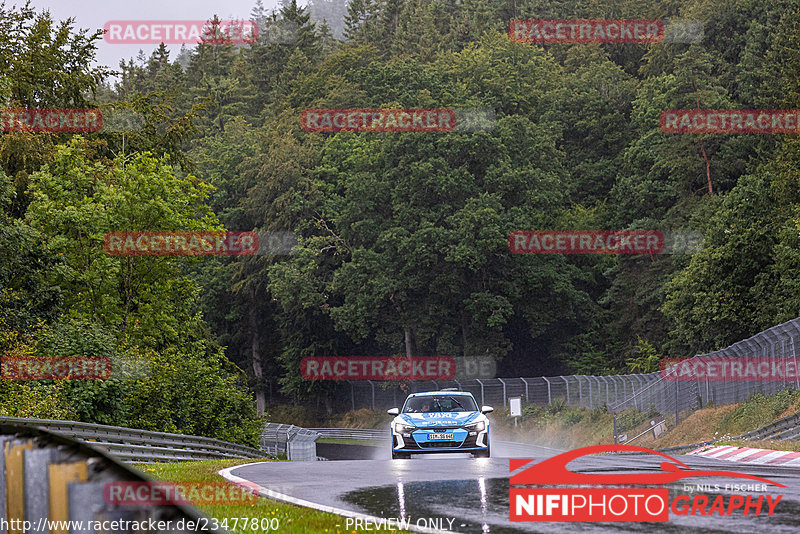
column 433, row 404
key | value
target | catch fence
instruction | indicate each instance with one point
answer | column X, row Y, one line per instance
column 670, row 396
column 648, row 393
column 573, row 390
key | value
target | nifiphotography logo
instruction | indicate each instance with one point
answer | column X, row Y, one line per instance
column 615, row 497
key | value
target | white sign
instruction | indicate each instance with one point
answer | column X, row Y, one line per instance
column 515, row 406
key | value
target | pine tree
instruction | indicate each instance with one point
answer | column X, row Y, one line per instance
column 299, row 20
column 359, row 19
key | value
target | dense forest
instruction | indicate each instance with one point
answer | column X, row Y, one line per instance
column 402, row 236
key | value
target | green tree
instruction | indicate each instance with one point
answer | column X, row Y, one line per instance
column 145, row 294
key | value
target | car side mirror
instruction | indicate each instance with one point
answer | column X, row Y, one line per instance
column 486, row 409
column 393, row 411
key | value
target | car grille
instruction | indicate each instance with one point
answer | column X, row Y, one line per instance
column 440, row 444
column 467, row 443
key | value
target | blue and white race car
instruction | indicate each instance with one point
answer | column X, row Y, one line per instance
column 440, row 421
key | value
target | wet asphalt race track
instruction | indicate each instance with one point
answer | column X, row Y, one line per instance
column 474, row 492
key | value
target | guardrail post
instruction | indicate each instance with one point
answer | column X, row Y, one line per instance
column 504, row 391
column 371, row 385
column 566, row 382
column 352, row 395
column 483, row 403
column 580, row 391
column 549, row 397
column 458, row 384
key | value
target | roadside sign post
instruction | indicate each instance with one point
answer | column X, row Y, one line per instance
column 515, row 408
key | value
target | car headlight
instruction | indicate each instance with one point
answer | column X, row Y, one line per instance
column 478, row 427
column 401, row 428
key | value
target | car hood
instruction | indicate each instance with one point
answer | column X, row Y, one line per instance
column 439, row 418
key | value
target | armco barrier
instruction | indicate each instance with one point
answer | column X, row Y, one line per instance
column 133, row 445
column 785, row 428
column 45, row 476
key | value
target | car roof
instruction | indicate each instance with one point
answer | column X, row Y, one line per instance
column 429, row 393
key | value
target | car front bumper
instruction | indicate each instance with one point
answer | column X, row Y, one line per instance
column 419, row 442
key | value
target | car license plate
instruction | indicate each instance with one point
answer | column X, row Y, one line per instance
column 440, row 436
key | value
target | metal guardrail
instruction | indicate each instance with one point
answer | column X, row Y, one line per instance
column 365, row 434
column 784, row 428
column 134, row 445
column 45, row 476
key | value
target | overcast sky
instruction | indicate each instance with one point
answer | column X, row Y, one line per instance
column 93, row 14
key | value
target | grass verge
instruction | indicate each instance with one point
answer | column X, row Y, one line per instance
column 290, row 518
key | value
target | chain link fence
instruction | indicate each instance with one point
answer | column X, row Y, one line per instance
column 671, row 396
column 574, row 390
column 648, row 393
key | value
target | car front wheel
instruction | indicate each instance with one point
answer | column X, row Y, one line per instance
column 483, row 454
column 401, row 456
